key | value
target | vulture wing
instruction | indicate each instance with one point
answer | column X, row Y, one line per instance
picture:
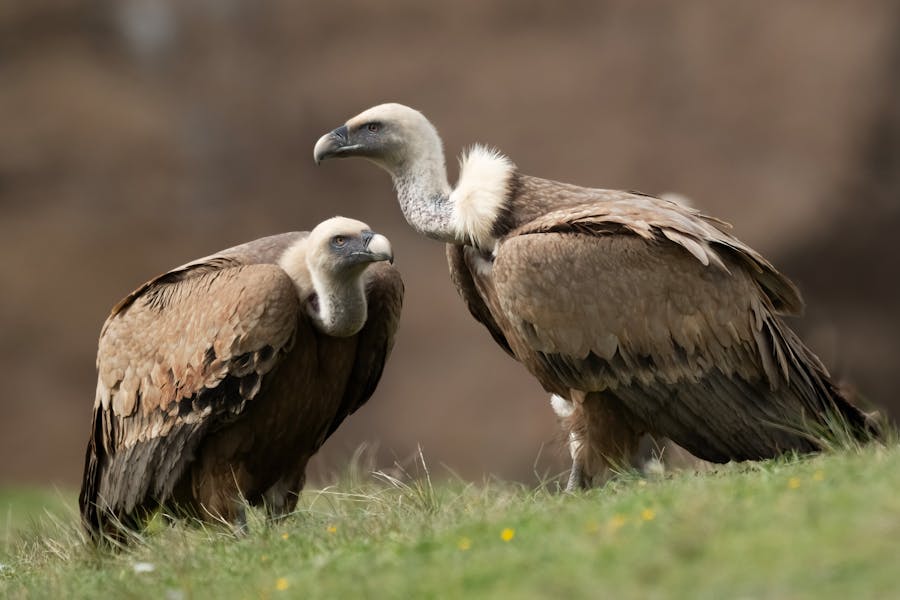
column 643, row 301
column 384, row 295
column 597, row 212
column 182, row 354
column 462, row 261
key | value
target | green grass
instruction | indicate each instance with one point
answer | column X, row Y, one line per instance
column 820, row 527
column 28, row 507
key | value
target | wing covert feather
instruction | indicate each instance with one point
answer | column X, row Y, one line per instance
column 596, row 211
column 693, row 349
column 665, row 313
column 186, row 351
column 178, row 339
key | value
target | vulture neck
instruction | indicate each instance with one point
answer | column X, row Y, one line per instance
column 338, row 307
column 424, row 196
column 473, row 212
column 335, row 302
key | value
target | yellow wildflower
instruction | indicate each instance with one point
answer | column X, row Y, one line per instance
column 794, row 483
column 818, row 476
column 617, row 522
column 464, row 543
column 507, row 534
column 281, row 584
column 284, row 536
column 648, row 514
column 331, row 529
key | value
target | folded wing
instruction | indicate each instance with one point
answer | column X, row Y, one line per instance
column 183, row 354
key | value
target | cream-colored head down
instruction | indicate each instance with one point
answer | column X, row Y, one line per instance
column 328, row 268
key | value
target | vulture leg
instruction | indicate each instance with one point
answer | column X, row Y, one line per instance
column 219, row 496
column 566, row 415
column 577, row 480
column 600, row 435
column 281, row 499
column 609, row 436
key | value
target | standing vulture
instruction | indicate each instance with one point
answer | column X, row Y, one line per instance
column 220, row 379
column 641, row 314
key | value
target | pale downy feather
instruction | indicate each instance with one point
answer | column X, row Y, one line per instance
column 480, row 194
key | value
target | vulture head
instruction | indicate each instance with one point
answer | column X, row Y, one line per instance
column 328, row 270
column 342, row 247
column 404, row 143
column 392, row 136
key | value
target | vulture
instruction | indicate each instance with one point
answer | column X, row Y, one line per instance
column 639, row 314
column 218, row 380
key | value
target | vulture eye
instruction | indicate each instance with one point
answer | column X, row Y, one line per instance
column 339, row 241
column 373, row 127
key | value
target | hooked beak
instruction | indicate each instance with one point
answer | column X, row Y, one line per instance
column 377, row 248
column 334, row 144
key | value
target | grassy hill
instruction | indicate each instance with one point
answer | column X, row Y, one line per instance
column 820, row 527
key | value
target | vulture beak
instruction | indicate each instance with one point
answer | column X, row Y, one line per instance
column 377, row 247
column 334, row 145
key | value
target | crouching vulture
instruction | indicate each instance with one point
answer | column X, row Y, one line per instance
column 640, row 314
column 220, row 379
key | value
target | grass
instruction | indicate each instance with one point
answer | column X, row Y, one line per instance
column 22, row 507
column 819, row 527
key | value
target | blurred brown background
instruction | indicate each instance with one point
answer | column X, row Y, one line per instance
column 138, row 134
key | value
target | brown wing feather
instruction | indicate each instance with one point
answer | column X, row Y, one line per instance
column 683, row 332
column 185, row 352
column 595, row 211
column 461, row 275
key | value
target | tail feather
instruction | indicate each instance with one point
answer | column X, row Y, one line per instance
column 832, row 413
column 725, row 416
column 90, row 485
column 100, row 521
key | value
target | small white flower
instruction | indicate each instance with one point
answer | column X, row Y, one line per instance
column 143, row 567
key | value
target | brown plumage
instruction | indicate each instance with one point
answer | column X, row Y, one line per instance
column 642, row 314
column 220, row 379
